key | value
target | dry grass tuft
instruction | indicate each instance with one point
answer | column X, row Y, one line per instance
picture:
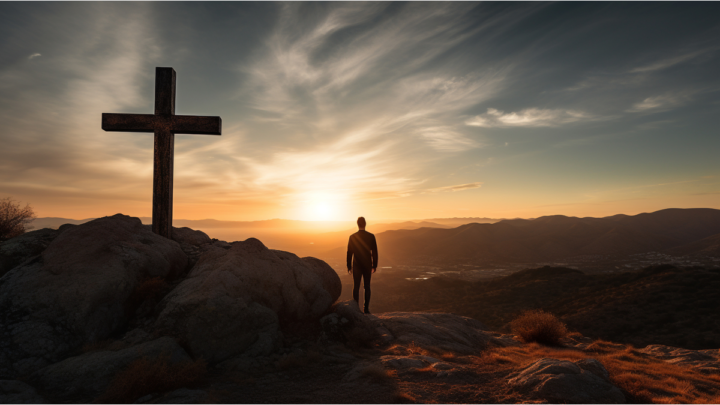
column 378, row 374
column 601, row 347
column 426, row 369
column 642, row 379
column 404, row 398
column 448, row 356
column 494, row 358
column 145, row 376
column 539, row 326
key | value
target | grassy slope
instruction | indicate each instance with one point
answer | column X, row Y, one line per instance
column 659, row 305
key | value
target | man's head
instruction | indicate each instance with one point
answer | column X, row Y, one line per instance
column 361, row 222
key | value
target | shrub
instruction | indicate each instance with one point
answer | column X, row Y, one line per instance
column 14, row 219
column 539, row 326
column 146, row 376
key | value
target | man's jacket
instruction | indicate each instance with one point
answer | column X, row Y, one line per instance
column 362, row 251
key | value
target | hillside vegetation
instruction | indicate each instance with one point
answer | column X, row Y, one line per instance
column 658, row 305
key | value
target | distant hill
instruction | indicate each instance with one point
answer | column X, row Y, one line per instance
column 455, row 222
column 270, row 224
column 305, row 238
column 286, row 225
column 55, row 222
column 556, row 237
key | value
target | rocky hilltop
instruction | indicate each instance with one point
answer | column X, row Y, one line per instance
column 107, row 311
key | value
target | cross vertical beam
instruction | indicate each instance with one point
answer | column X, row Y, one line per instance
column 164, row 124
column 164, row 152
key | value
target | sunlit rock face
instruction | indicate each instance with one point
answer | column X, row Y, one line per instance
column 233, row 300
column 75, row 291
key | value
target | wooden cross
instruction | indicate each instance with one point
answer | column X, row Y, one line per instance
column 165, row 124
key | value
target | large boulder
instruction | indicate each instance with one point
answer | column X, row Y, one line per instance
column 330, row 280
column 561, row 381
column 189, row 236
column 20, row 248
column 17, row 392
column 86, row 376
column 234, row 299
column 75, row 291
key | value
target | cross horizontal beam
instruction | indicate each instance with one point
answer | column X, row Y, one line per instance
column 178, row 124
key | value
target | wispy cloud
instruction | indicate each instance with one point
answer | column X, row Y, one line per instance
column 658, row 103
column 56, row 132
column 445, row 139
column 459, row 187
column 364, row 111
column 531, row 117
column 351, row 101
column 672, row 61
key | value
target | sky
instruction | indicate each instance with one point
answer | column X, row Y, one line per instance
column 387, row 110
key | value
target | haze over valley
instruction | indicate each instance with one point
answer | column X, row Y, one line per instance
column 476, row 248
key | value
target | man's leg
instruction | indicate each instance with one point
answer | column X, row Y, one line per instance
column 357, row 275
column 366, row 283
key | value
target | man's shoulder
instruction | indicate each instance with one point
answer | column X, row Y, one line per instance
column 362, row 234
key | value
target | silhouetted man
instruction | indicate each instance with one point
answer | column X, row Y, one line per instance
column 362, row 260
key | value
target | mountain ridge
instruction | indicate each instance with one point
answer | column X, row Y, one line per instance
column 555, row 237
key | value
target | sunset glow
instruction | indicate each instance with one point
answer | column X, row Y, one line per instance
column 387, row 110
column 322, row 207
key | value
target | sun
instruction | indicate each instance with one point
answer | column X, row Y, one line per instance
column 320, row 207
column 322, row 211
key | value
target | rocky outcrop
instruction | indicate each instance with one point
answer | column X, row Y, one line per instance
column 191, row 242
column 89, row 374
column 447, row 332
column 75, row 291
column 705, row 361
column 440, row 331
column 17, row 392
column 560, row 381
column 21, row 248
column 329, row 278
column 189, row 236
column 348, row 324
column 234, row 299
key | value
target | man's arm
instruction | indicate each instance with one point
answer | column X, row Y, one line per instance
column 349, row 255
column 374, row 254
